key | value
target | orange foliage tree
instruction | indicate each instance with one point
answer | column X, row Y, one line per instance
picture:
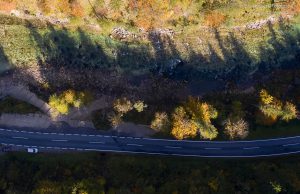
column 150, row 13
column 214, row 19
column 7, row 5
column 76, row 9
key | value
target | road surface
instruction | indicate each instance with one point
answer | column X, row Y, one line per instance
column 47, row 141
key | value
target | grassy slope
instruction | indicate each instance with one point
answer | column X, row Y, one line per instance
column 193, row 43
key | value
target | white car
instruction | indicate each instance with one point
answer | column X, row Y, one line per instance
column 32, row 150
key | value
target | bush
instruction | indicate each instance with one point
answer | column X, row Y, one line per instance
column 69, row 98
column 273, row 108
column 7, row 5
column 160, row 122
column 115, row 119
column 122, row 106
column 236, row 129
column 139, row 106
column 214, row 19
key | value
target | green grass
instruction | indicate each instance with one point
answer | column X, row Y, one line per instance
column 11, row 105
column 281, row 129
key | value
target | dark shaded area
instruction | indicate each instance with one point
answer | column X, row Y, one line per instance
column 120, row 174
column 4, row 62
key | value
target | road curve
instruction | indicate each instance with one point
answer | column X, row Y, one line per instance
column 47, row 141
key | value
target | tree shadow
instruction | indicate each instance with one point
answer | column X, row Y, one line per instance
column 83, row 53
column 4, row 61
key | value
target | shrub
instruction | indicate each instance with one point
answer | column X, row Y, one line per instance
column 122, row 105
column 115, row 119
column 289, row 112
column 202, row 113
column 214, row 19
column 139, row 106
column 236, row 129
column 76, row 9
column 7, row 5
column 183, row 127
column 208, row 131
column 69, row 98
column 160, row 122
column 273, row 108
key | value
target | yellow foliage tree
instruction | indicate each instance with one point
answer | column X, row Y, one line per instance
column 202, row 113
column 274, row 109
column 69, row 96
column 183, row 126
column 122, row 105
column 265, row 97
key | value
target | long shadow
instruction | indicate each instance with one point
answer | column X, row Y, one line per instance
column 4, row 61
column 77, row 51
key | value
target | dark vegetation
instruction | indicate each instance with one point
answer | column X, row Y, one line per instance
column 119, row 174
column 11, row 105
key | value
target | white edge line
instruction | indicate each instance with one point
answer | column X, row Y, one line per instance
column 251, row 148
column 173, row 147
column 129, row 144
column 63, row 140
column 292, row 144
column 95, row 142
column 172, row 140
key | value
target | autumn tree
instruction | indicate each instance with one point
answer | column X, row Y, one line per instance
column 183, row 125
column 194, row 115
column 236, row 129
column 69, row 98
column 122, row 105
column 289, row 112
column 139, row 106
column 160, row 122
column 273, row 108
column 214, row 19
column 149, row 13
column 202, row 113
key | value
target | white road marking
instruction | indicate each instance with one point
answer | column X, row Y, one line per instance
column 213, row 148
column 59, row 140
column 96, row 142
column 251, row 148
column 129, row 144
column 292, row 144
column 20, row 137
column 173, row 147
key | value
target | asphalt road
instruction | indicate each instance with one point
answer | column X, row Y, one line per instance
column 47, row 141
